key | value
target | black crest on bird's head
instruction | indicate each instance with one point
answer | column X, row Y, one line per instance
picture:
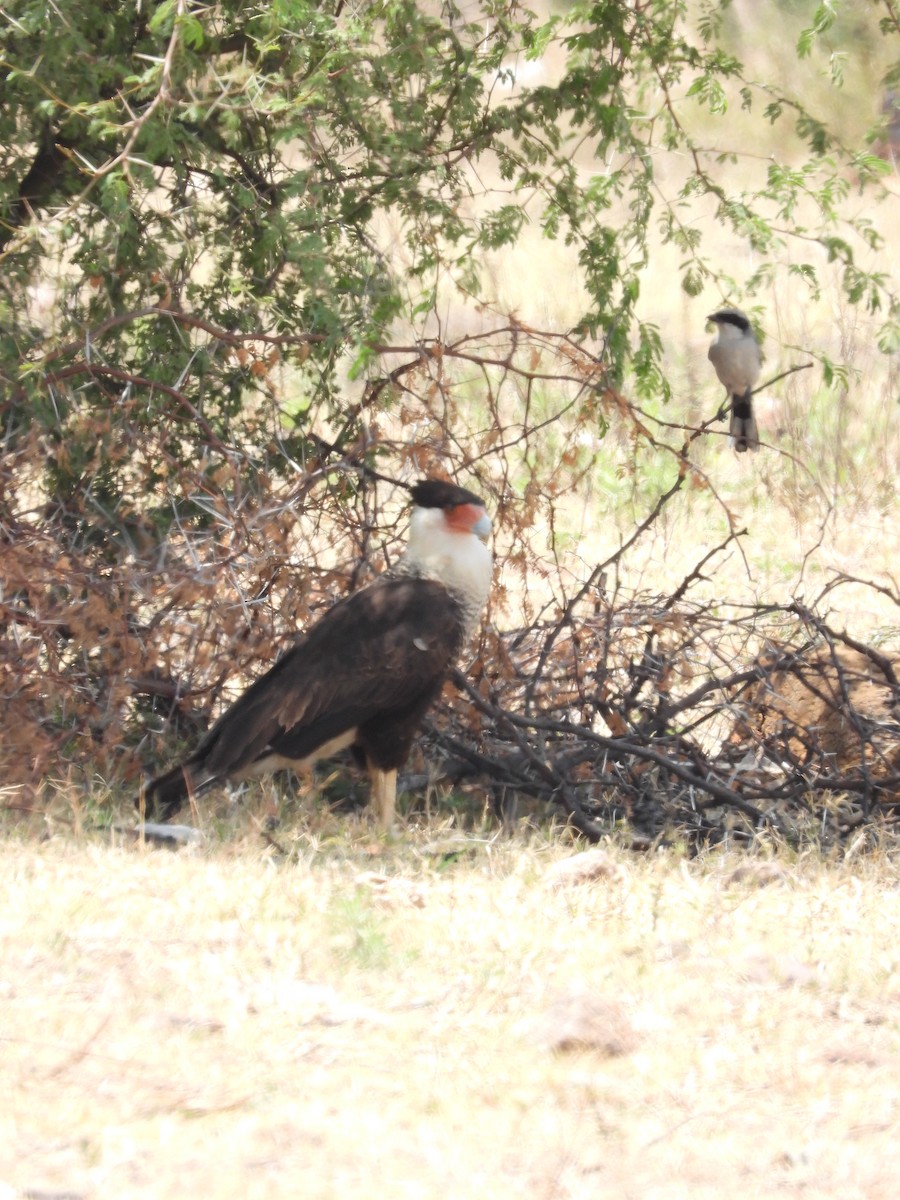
column 438, row 493
column 730, row 316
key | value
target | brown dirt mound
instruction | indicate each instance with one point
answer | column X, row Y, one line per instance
column 832, row 708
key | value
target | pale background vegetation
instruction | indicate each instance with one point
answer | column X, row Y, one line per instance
column 821, row 498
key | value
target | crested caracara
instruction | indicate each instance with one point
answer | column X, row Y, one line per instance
column 365, row 674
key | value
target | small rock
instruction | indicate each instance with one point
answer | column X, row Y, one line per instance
column 757, row 874
column 163, row 835
column 581, row 868
column 581, row 1019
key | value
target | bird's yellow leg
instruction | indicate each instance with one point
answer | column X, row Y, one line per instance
column 384, row 795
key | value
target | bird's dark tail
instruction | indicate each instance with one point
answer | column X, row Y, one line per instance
column 744, row 434
column 164, row 796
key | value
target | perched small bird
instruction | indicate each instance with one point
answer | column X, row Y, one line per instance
column 735, row 355
column 366, row 673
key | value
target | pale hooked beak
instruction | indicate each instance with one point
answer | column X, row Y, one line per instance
column 482, row 527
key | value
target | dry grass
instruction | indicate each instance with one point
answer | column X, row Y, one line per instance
column 372, row 1019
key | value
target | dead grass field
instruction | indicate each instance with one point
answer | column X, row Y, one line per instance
column 392, row 1020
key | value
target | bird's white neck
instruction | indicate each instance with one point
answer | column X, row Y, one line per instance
column 460, row 561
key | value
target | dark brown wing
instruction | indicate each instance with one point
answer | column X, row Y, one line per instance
column 376, row 653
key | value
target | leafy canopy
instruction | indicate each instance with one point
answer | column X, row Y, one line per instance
column 242, row 162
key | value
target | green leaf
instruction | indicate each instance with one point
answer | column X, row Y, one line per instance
column 163, row 19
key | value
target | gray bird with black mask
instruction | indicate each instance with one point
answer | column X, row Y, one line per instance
column 735, row 355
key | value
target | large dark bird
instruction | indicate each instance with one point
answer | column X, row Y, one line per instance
column 366, row 673
column 735, row 355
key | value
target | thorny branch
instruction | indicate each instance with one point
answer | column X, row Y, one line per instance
column 805, row 736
